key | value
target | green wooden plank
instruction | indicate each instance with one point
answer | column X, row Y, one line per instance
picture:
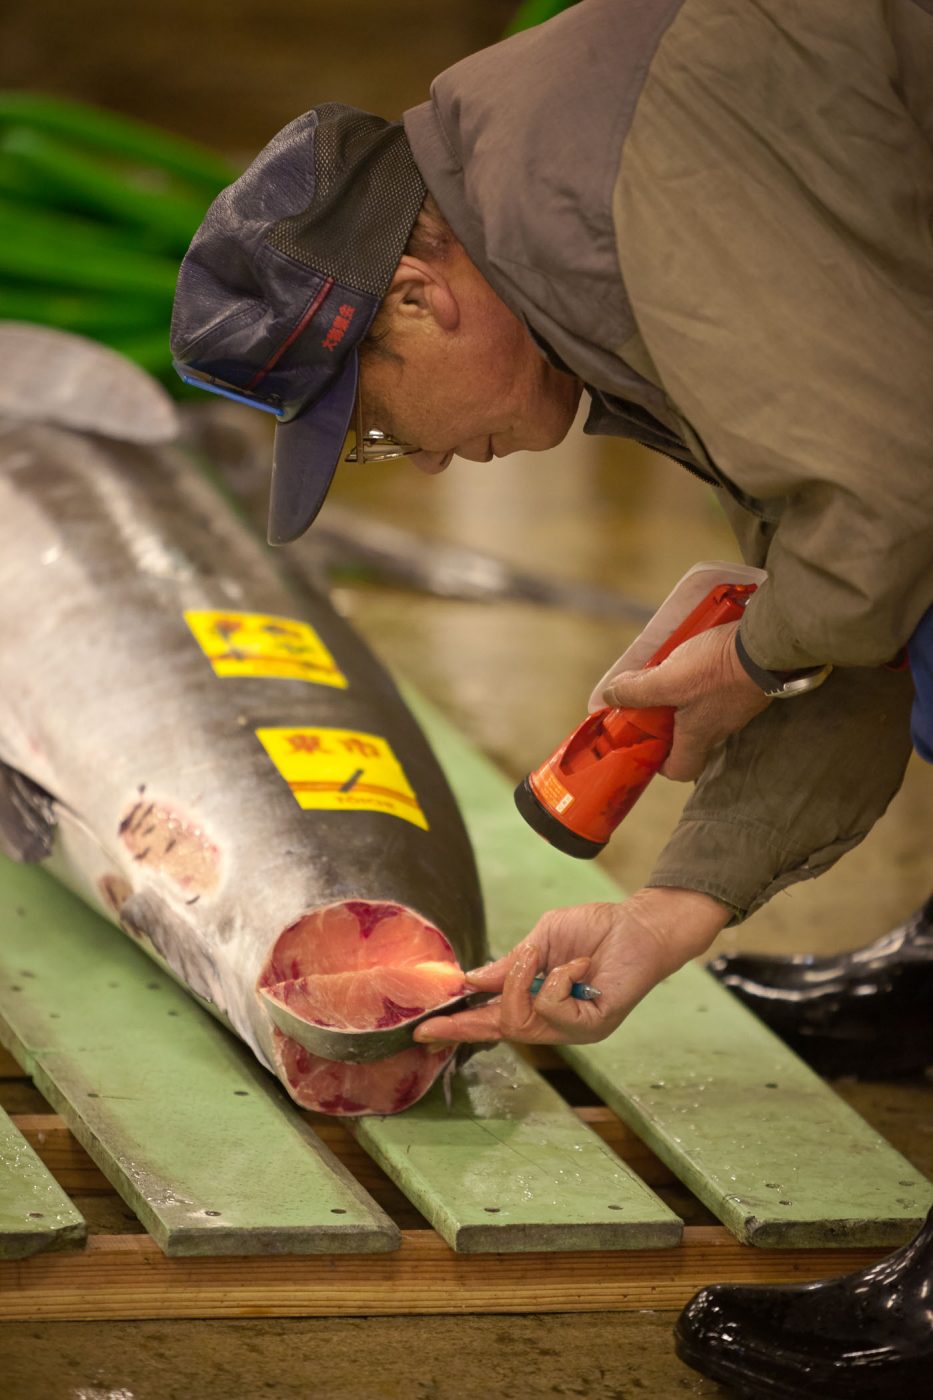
column 35, row 1213
column 193, row 1133
column 89, row 994
column 508, row 1166
column 745, row 1124
column 753, row 1132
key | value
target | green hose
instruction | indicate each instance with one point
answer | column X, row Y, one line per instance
column 98, row 315
column 96, row 212
column 26, row 220
column 73, row 179
column 116, row 136
column 105, row 269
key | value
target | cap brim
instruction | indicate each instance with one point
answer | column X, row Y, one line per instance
column 305, row 456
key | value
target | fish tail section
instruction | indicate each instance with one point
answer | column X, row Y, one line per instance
column 344, row 985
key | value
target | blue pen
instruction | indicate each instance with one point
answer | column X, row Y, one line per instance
column 581, row 990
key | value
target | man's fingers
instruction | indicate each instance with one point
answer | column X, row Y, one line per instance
column 491, row 976
column 551, row 1016
column 517, row 1002
column 477, row 1024
column 640, row 689
column 556, row 1005
column 558, row 984
column 687, row 757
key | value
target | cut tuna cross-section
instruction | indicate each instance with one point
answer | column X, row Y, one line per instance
column 344, row 986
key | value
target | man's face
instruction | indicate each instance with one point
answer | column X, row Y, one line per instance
column 481, row 391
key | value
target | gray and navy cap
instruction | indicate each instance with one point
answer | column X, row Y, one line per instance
column 282, row 282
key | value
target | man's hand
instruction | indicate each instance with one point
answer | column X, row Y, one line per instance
column 623, row 949
column 711, row 692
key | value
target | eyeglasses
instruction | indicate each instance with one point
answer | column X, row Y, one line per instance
column 377, row 446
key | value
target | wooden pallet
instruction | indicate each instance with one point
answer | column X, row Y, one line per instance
column 120, row 1272
column 538, row 1188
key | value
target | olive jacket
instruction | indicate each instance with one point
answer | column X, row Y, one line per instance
column 719, row 215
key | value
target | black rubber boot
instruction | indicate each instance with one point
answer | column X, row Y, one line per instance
column 867, row 1013
column 864, row 1336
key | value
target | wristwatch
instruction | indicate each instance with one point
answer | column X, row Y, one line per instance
column 780, row 685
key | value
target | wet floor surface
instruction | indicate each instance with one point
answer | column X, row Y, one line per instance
column 593, row 1356
column 514, row 677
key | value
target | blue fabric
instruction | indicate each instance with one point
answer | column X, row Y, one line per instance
column 920, row 650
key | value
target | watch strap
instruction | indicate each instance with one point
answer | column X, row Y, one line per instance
column 780, row 685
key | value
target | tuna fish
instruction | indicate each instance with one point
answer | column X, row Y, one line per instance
column 209, row 754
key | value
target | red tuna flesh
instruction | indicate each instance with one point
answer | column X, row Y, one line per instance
column 359, row 967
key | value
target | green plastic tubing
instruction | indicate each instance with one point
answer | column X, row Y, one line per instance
column 99, row 316
column 71, row 177
column 117, row 135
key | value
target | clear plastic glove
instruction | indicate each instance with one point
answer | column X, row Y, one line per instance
column 711, row 692
column 623, row 949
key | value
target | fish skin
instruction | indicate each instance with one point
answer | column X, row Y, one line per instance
column 375, row 1045
column 168, row 814
column 46, row 379
column 27, row 818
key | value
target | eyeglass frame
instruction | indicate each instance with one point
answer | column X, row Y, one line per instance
column 377, row 445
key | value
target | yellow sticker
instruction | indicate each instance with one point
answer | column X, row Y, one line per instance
column 342, row 770
column 254, row 644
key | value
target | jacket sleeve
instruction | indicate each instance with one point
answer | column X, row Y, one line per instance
column 788, row 795
column 773, row 211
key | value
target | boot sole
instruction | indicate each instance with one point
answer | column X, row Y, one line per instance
column 748, row 1387
column 907, row 1384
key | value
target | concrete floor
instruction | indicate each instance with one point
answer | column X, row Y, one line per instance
column 592, row 1356
column 514, row 677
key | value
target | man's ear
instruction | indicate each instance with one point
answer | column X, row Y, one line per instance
column 421, row 290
